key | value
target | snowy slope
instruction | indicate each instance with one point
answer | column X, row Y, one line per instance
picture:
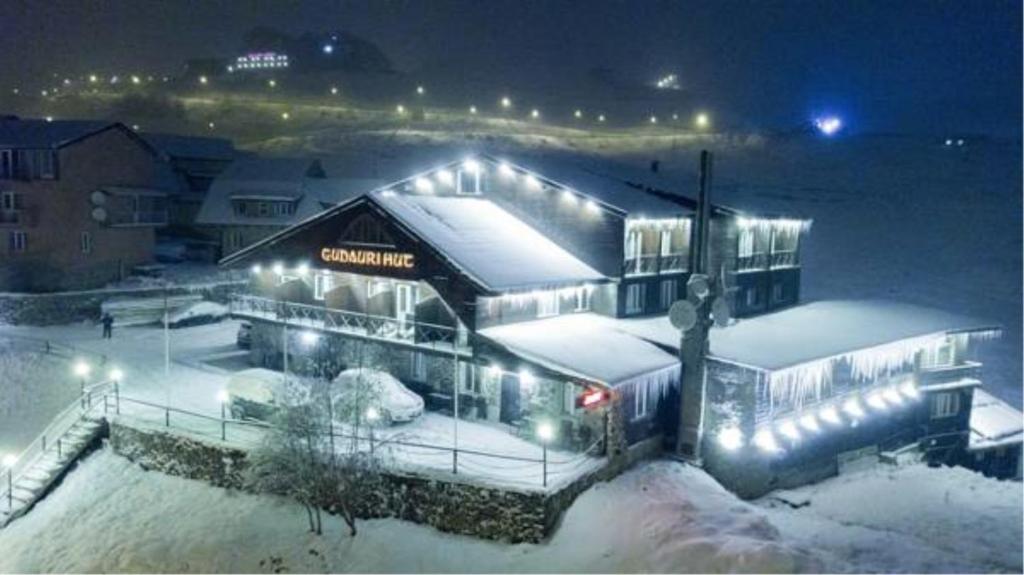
column 660, row 517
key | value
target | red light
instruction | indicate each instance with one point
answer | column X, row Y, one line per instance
column 592, row 398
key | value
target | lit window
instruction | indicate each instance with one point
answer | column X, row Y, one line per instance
column 582, row 298
column 547, row 303
column 322, row 283
column 939, row 355
column 635, row 295
column 945, row 404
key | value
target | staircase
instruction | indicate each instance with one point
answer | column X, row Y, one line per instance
column 30, row 479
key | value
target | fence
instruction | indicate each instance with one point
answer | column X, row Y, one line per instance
column 403, row 453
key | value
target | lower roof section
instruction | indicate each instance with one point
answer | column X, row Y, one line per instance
column 994, row 423
column 584, row 345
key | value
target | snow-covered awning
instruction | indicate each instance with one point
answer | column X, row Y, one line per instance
column 994, row 423
column 584, row 345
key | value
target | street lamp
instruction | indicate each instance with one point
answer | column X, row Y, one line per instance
column 545, row 432
column 82, row 369
column 116, row 375
column 9, row 461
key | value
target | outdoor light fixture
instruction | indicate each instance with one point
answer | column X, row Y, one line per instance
column 372, row 414
column 494, row 370
column 702, row 120
column 789, row 430
column 116, row 374
column 202, row 80
column 876, row 401
column 279, row 268
column 526, row 379
column 328, row 49
column 334, row 90
column 9, row 460
column 424, row 185
column 472, row 109
column 506, row 102
column 532, row 182
column 309, row 338
column 507, row 171
column 654, row 119
column 892, row 395
column 568, row 196
column 592, row 206
column 420, row 90
column 303, row 269
column 809, row 423
column 910, row 390
column 272, row 83
column 471, row 165
column 222, row 396
column 92, row 78
column 445, row 177
column 830, row 415
column 400, row 109
column 257, row 269
column 535, row 113
column 765, row 441
column 730, row 438
column 578, row 113
column 853, row 408
column 600, row 118
column 285, row 115
column 545, row 431
column 81, row 368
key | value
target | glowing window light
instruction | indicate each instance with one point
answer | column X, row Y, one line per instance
column 532, row 182
column 470, row 165
column 788, row 429
column 535, row 113
column 810, row 423
column 876, row 401
column 830, row 415
column 892, row 395
column 507, row 171
column 445, row 177
column 765, row 441
column 424, row 185
column 910, row 390
column 730, row 438
column 852, row 407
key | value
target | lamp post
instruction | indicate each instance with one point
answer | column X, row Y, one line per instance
column 545, row 432
column 9, row 461
column 116, row 375
column 372, row 415
column 222, row 398
column 81, row 369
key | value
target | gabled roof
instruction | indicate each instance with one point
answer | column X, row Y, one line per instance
column 994, row 423
column 178, row 146
column 496, row 249
column 37, row 134
column 275, row 179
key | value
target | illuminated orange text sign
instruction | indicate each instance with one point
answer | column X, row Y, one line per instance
column 368, row 258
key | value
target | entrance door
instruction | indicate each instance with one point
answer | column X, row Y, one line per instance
column 509, row 398
column 405, row 308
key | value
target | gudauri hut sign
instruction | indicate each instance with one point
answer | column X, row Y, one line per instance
column 368, row 258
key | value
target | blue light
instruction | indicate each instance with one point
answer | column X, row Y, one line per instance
column 328, row 48
column 828, row 125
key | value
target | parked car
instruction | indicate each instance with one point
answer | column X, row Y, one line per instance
column 364, row 390
column 244, row 337
column 255, row 393
column 197, row 314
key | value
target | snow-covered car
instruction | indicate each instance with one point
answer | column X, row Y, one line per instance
column 255, row 393
column 244, row 337
column 197, row 314
column 364, row 390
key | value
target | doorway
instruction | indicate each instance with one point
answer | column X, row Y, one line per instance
column 509, row 398
column 405, row 308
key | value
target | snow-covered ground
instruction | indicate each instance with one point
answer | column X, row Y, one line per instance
column 35, row 387
column 111, row 516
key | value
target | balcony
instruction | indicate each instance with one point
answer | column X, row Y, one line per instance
column 655, row 264
column 752, row 262
column 148, row 218
column 786, row 259
column 405, row 332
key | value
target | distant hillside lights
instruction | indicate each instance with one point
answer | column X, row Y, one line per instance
column 261, row 61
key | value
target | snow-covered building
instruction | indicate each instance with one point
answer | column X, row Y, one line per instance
column 539, row 288
column 997, row 436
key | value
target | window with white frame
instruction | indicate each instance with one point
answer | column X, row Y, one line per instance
column 640, row 398
column 547, row 303
column 635, row 294
column 322, row 283
column 945, row 404
column 85, row 242
column 745, row 247
column 938, row 355
column 17, row 241
column 468, row 183
column 582, row 298
column 669, row 293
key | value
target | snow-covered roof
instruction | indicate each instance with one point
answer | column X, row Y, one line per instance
column 192, row 147
column 495, row 248
column 994, row 423
column 585, row 345
column 814, row 331
column 32, row 133
column 274, row 179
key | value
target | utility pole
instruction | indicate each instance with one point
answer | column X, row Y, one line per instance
column 693, row 347
column 167, row 334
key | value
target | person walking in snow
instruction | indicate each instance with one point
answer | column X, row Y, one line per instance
column 108, row 326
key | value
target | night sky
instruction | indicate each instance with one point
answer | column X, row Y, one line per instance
column 913, row 66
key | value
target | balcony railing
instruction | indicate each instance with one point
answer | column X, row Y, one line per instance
column 150, row 218
column 404, row 331
column 784, row 259
column 752, row 262
column 654, row 264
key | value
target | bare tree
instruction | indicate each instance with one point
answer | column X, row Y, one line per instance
column 300, row 457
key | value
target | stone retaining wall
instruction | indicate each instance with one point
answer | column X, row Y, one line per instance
column 456, row 505
column 70, row 307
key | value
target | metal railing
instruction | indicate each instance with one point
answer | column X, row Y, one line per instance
column 343, row 321
column 752, row 262
column 787, row 259
column 405, row 454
